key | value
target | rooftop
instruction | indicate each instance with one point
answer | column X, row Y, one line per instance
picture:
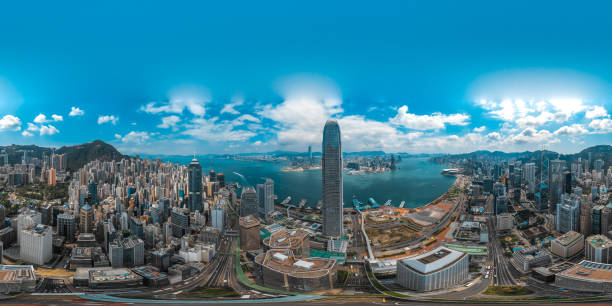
column 433, row 260
column 568, row 238
column 599, row 241
column 249, row 221
column 285, row 262
column 286, row 238
column 590, row 271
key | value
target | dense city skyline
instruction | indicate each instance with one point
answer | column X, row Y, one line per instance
column 219, row 79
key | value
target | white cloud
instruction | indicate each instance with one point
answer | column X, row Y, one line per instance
column 10, row 123
column 246, row 117
column 601, row 125
column 134, row 137
column 75, row 111
column 169, row 122
column 231, row 107
column 211, row 130
column 435, row 121
column 573, row 130
column 108, row 118
column 193, row 99
column 33, row 127
column 535, row 121
column 494, row 136
column 27, row 134
column 531, row 135
column 596, row 112
column 480, row 129
column 48, row 130
column 41, row 118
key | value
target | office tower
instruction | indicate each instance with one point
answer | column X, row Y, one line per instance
column 194, row 201
column 310, row 155
column 568, row 214
column 2, row 215
column 501, row 205
column 596, row 218
column 265, row 195
column 598, row 248
column 92, row 188
column 52, row 177
column 585, row 218
column 26, row 219
column 249, row 233
column 35, row 245
column 331, row 162
column 249, row 205
column 212, row 176
column 86, row 219
column 1, row 251
column 46, row 214
column 126, row 252
column 179, row 221
column 606, row 214
column 598, row 165
column 137, row 227
column 161, row 260
column 556, row 184
column 221, row 180
column 66, row 226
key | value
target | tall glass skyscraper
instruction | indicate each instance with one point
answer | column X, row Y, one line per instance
column 194, row 177
column 332, row 179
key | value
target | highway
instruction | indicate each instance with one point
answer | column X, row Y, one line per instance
column 502, row 275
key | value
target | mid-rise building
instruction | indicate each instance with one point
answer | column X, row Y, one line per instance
column 66, row 226
column 126, row 252
column 598, row 248
column 179, row 221
column 568, row 214
column 437, row 269
column 505, row 222
column 249, row 233
column 567, row 245
column 36, row 244
column 86, row 221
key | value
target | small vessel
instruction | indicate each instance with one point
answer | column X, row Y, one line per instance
column 402, row 204
column 319, row 204
column 388, row 203
column 302, row 203
column 286, row 201
column 373, row 203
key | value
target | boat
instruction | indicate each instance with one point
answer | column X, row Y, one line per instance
column 452, row 171
column 286, row 201
column 402, row 204
column 302, row 203
column 319, row 204
column 388, row 203
column 373, row 203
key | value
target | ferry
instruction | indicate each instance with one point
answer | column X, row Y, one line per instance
column 286, row 201
column 373, row 203
column 357, row 204
column 402, row 204
column 451, row 171
column 388, row 203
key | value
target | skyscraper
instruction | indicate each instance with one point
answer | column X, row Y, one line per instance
column 249, row 205
column 556, row 183
column 194, row 202
column 265, row 195
column 331, row 162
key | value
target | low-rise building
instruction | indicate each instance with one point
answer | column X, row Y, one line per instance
column 436, row 269
column 282, row 270
column 526, row 259
column 249, row 233
column 113, row 278
column 587, row 276
column 567, row 245
column 296, row 240
column 15, row 279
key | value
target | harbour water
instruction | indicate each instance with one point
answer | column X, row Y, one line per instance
column 417, row 181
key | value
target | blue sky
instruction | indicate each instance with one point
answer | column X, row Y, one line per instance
column 246, row 76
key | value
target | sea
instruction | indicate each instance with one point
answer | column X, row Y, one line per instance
column 417, row 181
